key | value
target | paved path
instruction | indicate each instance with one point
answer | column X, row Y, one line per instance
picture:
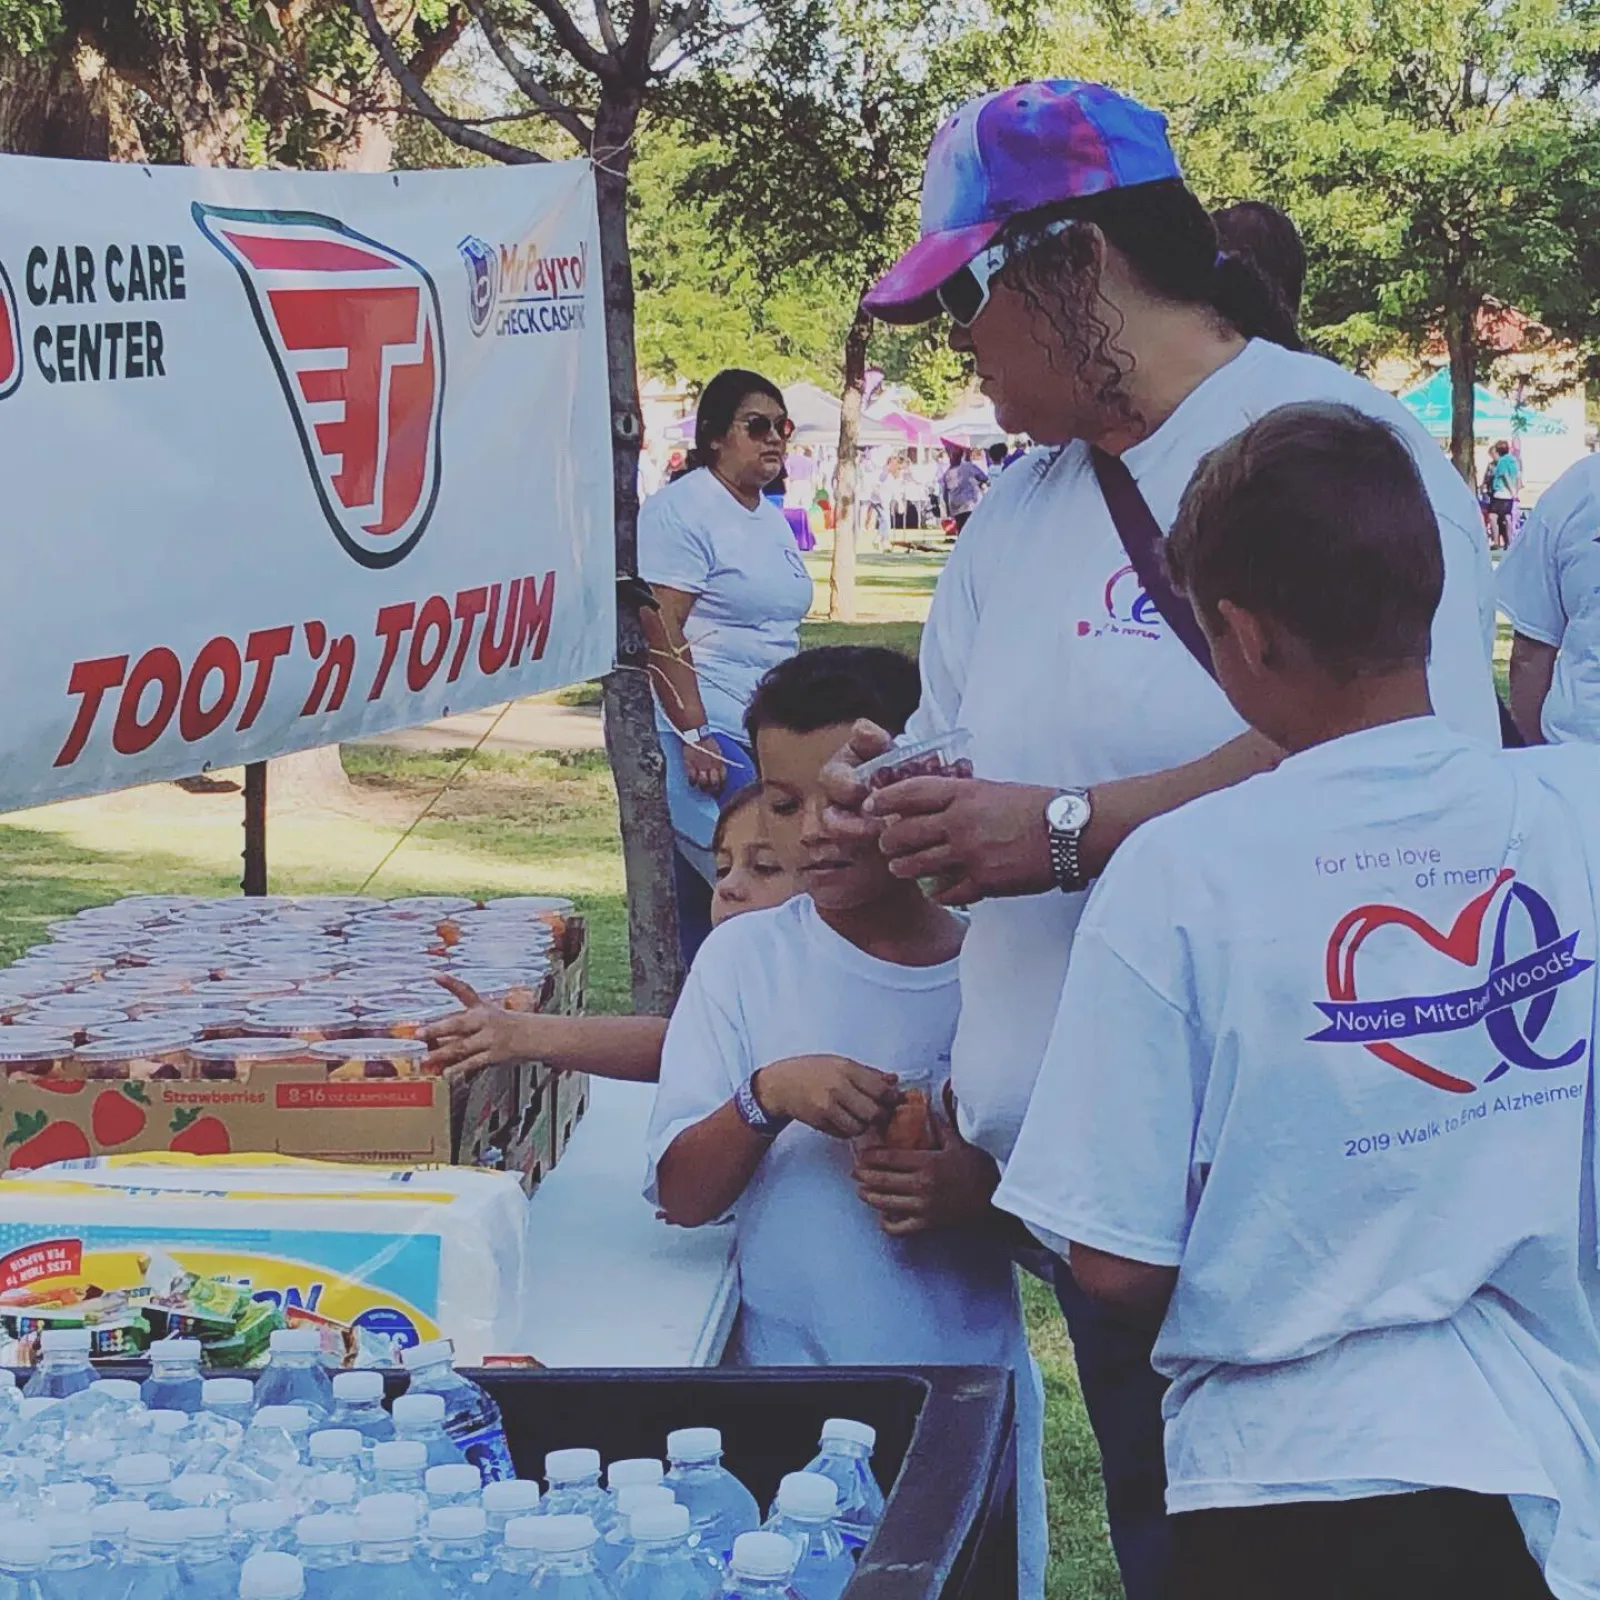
column 529, row 725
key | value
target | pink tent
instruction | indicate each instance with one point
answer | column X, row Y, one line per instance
column 918, row 430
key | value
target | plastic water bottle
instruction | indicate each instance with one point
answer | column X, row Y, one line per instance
column 720, row 1507
column 846, row 1458
column 210, row 1489
column 210, row 1571
column 167, row 1432
column 567, row 1570
column 615, row 1543
column 453, row 1484
column 458, row 1551
column 518, row 1557
column 273, row 1576
column 326, row 1546
column 803, row 1513
column 662, row 1563
column 147, row 1478
column 574, row 1479
column 149, row 1568
column 338, row 1450
column 174, row 1383
column 24, row 1554
column 108, row 1530
column 330, row 1491
column 74, row 1571
column 10, row 1400
column 386, row 1553
column 472, row 1419
column 400, row 1468
column 295, row 1375
column 70, row 1497
column 63, row 1368
column 421, row 1417
column 269, row 1464
column 90, row 1460
column 762, row 1564
column 358, row 1404
column 233, row 1398
column 507, row 1499
column 636, row 1472
column 259, row 1526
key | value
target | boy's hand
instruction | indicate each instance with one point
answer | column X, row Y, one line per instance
column 916, row 1190
column 481, row 1035
column 834, row 1095
column 844, row 818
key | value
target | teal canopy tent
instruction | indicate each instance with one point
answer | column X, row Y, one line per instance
column 1494, row 417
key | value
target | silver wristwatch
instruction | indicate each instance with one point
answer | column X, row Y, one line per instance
column 1066, row 817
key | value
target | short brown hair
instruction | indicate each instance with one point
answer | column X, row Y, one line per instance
column 1316, row 515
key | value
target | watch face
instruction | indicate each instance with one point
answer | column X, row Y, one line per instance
column 1068, row 813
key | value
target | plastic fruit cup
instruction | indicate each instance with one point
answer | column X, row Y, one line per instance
column 33, row 1052
column 228, row 1059
column 349, row 1059
column 139, row 1052
column 947, row 756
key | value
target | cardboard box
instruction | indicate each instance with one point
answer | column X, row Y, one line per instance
column 571, row 1101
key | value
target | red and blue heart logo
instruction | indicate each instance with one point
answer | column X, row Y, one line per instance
column 1513, row 1003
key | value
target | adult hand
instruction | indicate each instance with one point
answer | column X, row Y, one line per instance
column 705, row 766
column 844, row 818
column 480, row 1035
column 832, row 1094
column 916, row 1190
column 981, row 840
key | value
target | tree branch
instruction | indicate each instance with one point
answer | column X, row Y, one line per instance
column 439, row 43
column 692, row 15
column 608, row 26
column 575, row 42
column 469, row 138
column 528, row 82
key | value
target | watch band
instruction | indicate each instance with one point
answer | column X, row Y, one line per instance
column 699, row 735
column 1065, row 865
column 752, row 1115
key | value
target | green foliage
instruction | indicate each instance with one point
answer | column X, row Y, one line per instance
column 27, row 26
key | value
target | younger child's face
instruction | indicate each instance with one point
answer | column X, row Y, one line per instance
column 751, row 874
column 837, row 876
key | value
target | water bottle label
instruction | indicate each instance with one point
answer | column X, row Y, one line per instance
column 488, row 1451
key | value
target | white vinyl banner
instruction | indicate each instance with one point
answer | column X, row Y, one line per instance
column 288, row 458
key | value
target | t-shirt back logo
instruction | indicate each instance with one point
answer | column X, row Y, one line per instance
column 1512, row 1004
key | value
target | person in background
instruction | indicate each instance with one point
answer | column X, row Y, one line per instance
column 753, row 872
column 1084, row 278
column 1364, row 1227
column 731, row 590
column 787, row 1047
column 1549, row 590
column 1503, row 481
column 1268, row 239
column 961, row 485
column 997, row 456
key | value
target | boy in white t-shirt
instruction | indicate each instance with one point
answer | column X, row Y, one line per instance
column 790, row 1041
column 1321, row 1093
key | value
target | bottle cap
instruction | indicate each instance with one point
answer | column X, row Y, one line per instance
column 175, row 1350
column 72, row 1499
column 111, row 1520
column 399, row 1455
column 227, row 1392
column 808, row 1496
column 164, row 1423
column 427, row 1355
column 336, row 1444
column 567, row 1466
column 457, row 1522
column 639, row 1495
column 359, row 1388
column 122, row 1390
column 88, row 1451
column 143, row 1471
column 386, row 1518
column 327, row 1529
column 156, row 1527
column 64, row 1530
column 23, row 1544
column 295, row 1342
column 522, row 1533
column 639, row 1469
column 694, row 1444
column 843, row 1429
column 333, row 1488
column 454, row 1478
column 204, row 1522
column 291, row 1419
column 563, row 1535
column 659, row 1522
column 418, row 1410
column 511, row 1495
column 261, row 1516
column 64, row 1341
column 200, row 1488
column 34, row 1405
column 763, row 1555
column 272, row 1575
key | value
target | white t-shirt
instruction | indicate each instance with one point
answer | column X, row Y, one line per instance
column 1286, row 1066
column 1549, row 586
column 1041, row 642
column 752, row 587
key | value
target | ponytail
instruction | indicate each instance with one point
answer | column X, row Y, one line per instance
column 1243, row 295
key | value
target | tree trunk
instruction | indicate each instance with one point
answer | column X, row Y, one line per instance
column 636, row 760
column 66, row 102
column 1461, row 339
column 842, row 574
column 310, row 780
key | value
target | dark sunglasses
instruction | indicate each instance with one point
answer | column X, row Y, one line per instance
column 757, row 425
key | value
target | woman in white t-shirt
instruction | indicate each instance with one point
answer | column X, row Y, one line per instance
column 1085, row 281
column 732, row 589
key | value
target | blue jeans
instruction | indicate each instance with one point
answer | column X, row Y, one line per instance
column 1122, row 1393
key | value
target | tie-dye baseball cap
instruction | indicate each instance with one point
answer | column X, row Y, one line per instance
column 1010, row 152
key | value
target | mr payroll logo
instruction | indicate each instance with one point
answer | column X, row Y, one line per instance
column 10, row 337
column 1128, row 610
column 518, row 288
column 354, row 331
column 1509, row 1008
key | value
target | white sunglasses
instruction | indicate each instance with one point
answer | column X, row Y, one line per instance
column 964, row 294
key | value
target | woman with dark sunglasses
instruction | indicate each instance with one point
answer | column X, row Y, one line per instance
column 1084, row 279
column 731, row 589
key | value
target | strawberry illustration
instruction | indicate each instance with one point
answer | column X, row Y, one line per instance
column 51, row 1084
column 197, row 1135
column 36, row 1141
column 117, row 1116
